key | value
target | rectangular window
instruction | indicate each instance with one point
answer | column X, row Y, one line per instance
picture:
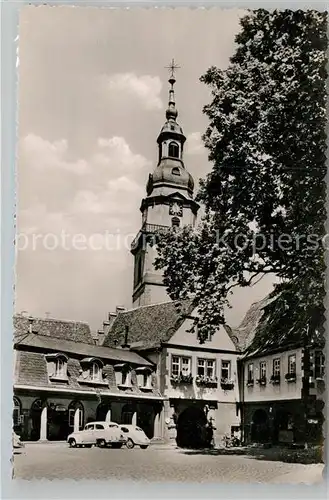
column 95, row 372
column 60, row 368
column 201, row 367
column 180, row 365
column 276, row 367
column 262, row 369
column 250, row 372
column 185, row 366
column 146, row 380
column 226, row 370
column 292, row 364
column 318, row 365
column 175, row 366
column 210, row 368
column 206, row 368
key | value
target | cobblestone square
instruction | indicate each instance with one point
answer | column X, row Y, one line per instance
column 158, row 463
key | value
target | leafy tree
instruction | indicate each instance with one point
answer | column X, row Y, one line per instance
column 265, row 195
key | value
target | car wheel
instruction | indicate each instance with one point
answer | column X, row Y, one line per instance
column 144, row 446
column 130, row 443
column 101, row 443
column 73, row 443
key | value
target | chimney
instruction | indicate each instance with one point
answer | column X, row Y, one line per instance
column 125, row 345
column 100, row 337
column 112, row 317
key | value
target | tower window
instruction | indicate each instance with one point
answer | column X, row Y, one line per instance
column 175, row 171
column 175, row 222
column 173, row 150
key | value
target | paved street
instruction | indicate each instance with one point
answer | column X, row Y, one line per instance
column 158, row 463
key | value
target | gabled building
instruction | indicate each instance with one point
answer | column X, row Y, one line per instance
column 281, row 384
column 199, row 382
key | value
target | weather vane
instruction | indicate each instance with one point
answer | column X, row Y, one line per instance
column 172, row 67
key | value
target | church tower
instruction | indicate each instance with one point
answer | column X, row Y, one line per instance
column 169, row 203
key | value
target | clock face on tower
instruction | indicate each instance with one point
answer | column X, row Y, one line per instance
column 175, row 208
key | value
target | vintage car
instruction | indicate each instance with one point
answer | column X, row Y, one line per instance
column 98, row 433
column 135, row 436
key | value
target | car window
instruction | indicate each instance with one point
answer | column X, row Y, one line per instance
column 89, row 427
column 113, row 425
column 99, row 426
column 124, row 429
column 139, row 429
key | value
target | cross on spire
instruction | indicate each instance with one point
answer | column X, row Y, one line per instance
column 172, row 67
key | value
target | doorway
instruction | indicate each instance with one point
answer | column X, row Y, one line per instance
column 191, row 428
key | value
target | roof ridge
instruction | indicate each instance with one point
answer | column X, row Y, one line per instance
column 152, row 305
column 73, row 321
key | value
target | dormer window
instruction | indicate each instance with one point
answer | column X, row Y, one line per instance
column 144, row 377
column 173, row 150
column 175, row 171
column 60, row 368
column 57, row 366
column 92, row 371
column 123, row 375
column 95, row 371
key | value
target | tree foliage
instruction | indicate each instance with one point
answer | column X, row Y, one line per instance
column 264, row 198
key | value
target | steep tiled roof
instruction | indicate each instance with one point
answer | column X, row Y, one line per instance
column 31, row 370
column 252, row 335
column 47, row 344
column 246, row 331
column 148, row 325
column 66, row 330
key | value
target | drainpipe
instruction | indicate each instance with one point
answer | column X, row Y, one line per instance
column 306, row 382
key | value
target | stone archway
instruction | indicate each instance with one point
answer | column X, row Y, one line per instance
column 145, row 419
column 102, row 412
column 127, row 413
column 260, row 429
column 191, row 428
column 35, row 420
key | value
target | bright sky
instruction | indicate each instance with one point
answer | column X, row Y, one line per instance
column 92, row 97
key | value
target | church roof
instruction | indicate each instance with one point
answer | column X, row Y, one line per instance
column 66, row 330
column 148, row 326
